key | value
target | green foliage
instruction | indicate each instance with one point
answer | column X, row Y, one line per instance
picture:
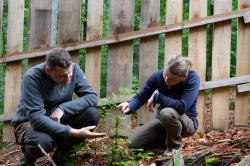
column 26, row 25
column 137, row 18
column 161, row 51
column 212, row 161
column 231, row 104
column 2, row 85
column 118, row 152
column 105, row 28
column 162, row 12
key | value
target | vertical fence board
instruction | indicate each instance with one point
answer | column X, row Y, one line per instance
column 242, row 67
column 197, row 51
column 120, row 59
column 40, row 27
column 221, row 65
column 173, row 43
column 93, row 55
column 13, row 70
column 148, row 62
column 69, row 24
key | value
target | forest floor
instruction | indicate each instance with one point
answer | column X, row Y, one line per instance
column 225, row 148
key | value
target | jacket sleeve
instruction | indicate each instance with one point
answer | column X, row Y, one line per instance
column 35, row 111
column 144, row 94
column 86, row 95
column 187, row 99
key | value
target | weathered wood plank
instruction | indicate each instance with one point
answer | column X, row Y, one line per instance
column 225, row 82
column 69, row 24
column 13, row 70
column 221, row 65
column 126, row 36
column 93, row 55
column 40, row 27
column 243, row 87
column 242, row 67
column 120, row 59
column 173, row 43
column 148, row 60
column 197, row 52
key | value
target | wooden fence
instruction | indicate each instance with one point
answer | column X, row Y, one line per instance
column 44, row 24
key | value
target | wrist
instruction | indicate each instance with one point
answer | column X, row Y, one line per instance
column 73, row 132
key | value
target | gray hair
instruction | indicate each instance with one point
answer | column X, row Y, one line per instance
column 179, row 65
column 58, row 57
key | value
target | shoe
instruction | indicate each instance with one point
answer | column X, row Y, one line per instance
column 169, row 151
column 26, row 160
column 62, row 159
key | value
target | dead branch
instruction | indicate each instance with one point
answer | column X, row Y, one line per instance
column 47, row 155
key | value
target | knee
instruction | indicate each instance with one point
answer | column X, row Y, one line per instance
column 45, row 141
column 93, row 116
column 168, row 115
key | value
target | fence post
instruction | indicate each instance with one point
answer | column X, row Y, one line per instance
column 93, row 55
column 13, row 70
column 221, row 65
column 40, row 27
column 69, row 24
column 197, row 52
column 242, row 67
column 120, row 58
column 173, row 43
column 148, row 61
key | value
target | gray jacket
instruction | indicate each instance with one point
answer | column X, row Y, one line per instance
column 40, row 96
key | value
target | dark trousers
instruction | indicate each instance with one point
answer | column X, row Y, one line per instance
column 29, row 138
column 164, row 132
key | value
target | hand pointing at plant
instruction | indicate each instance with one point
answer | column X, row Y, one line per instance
column 124, row 107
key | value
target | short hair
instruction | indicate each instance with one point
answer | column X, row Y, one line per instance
column 58, row 57
column 179, row 65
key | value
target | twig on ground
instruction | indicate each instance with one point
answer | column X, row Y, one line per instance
column 10, row 153
column 47, row 155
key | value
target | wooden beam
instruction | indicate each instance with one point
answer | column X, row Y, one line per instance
column 225, row 82
column 243, row 87
column 7, row 117
column 126, row 36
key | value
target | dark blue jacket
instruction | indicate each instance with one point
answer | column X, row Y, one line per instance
column 182, row 97
column 40, row 96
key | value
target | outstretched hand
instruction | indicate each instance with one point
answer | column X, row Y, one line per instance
column 85, row 132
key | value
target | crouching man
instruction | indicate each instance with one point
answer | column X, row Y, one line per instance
column 48, row 116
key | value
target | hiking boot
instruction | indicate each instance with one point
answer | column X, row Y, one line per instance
column 62, row 158
column 27, row 160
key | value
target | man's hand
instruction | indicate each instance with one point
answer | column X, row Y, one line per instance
column 57, row 115
column 151, row 105
column 85, row 133
column 124, row 107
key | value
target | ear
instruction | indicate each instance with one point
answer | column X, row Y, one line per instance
column 47, row 70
